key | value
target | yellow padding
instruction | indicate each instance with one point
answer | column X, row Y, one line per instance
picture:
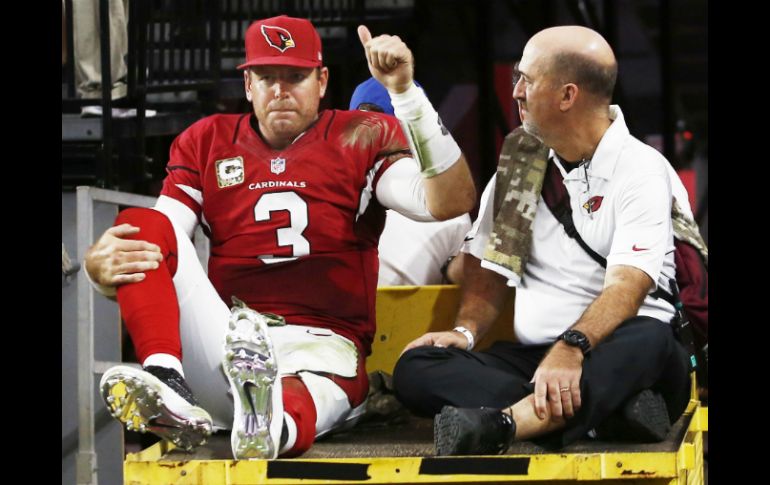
column 406, row 312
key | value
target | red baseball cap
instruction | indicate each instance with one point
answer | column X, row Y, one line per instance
column 282, row 41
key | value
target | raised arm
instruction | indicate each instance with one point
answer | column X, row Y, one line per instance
column 449, row 189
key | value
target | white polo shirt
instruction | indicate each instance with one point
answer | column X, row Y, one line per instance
column 630, row 186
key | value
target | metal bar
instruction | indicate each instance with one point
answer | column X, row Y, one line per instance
column 131, row 56
column 190, row 34
column 225, row 23
column 86, row 456
column 184, row 29
column 214, row 43
column 120, row 198
column 659, row 468
column 105, row 51
column 175, row 45
column 153, row 47
column 166, row 51
column 86, row 459
column 142, row 51
column 182, row 85
column 197, row 61
column 102, row 366
column 69, row 442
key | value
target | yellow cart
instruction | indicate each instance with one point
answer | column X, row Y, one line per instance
column 403, row 452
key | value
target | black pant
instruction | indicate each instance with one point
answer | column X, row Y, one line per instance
column 641, row 353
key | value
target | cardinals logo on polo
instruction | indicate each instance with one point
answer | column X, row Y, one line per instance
column 593, row 204
column 278, row 37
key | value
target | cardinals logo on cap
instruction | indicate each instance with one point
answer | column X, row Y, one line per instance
column 277, row 37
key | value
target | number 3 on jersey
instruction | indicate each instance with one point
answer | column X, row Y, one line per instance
column 286, row 236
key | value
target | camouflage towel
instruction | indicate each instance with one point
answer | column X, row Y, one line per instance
column 520, row 175
column 686, row 229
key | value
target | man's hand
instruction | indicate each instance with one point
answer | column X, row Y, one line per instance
column 558, row 378
column 114, row 261
column 439, row 339
column 390, row 60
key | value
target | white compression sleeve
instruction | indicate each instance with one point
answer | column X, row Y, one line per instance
column 402, row 189
column 178, row 214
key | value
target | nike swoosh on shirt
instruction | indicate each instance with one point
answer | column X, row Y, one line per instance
column 639, row 249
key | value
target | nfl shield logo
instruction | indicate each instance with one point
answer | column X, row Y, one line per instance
column 278, row 165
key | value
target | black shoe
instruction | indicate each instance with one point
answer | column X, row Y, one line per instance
column 174, row 380
column 472, row 431
column 642, row 419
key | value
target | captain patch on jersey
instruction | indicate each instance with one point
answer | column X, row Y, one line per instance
column 229, row 172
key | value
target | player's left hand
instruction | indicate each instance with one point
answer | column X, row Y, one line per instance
column 390, row 60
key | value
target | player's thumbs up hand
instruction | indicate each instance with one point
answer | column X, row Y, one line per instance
column 390, row 60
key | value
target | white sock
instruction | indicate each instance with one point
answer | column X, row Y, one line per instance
column 164, row 360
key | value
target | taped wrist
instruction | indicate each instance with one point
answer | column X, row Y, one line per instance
column 431, row 143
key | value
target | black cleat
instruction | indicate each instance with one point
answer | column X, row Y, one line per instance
column 642, row 419
column 174, row 380
column 158, row 400
column 472, row 431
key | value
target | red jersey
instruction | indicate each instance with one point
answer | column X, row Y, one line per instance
column 292, row 231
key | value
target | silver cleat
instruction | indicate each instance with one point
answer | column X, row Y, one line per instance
column 249, row 365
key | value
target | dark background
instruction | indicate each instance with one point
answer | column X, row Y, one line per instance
column 463, row 49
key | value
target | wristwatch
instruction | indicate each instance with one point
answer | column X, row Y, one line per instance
column 576, row 338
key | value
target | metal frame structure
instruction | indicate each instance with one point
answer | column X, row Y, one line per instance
column 173, row 49
column 88, row 366
column 86, row 464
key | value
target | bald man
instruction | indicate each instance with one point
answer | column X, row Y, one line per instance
column 595, row 353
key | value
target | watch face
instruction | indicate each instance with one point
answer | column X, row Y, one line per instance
column 576, row 339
